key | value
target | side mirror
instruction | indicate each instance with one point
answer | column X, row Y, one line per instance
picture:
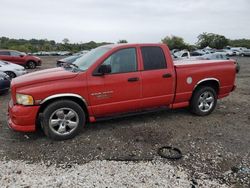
column 102, row 70
column 21, row 55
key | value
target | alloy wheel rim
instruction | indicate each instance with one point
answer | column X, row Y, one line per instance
column 63, row 121
column 206, row 101
column 32, row 65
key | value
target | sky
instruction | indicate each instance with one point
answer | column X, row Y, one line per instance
column 137, row 21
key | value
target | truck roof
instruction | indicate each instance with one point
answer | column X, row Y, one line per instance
column 133, row 44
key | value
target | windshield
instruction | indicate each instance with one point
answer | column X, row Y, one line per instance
column 90, row 58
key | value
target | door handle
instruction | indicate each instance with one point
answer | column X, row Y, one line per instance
column 135, row 79
column 168, row 75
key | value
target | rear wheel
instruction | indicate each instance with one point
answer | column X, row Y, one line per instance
column 203, row 101
column 11, row 74
column 63, row 120
column 31, row 64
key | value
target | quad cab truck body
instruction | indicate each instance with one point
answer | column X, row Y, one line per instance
column 115, row 80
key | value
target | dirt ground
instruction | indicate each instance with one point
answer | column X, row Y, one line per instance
column 217, row 145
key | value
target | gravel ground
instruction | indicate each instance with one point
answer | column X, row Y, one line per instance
column 217, row 146
column 99, row 174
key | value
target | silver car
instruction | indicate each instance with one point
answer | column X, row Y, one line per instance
column 246, row 52
column 11, row 69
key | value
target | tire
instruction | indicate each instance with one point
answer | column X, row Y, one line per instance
column 203, row 101
column 63, row 120
column 31, row 64
column 10, row 74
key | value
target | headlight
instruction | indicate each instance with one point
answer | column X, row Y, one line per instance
column 24, row 99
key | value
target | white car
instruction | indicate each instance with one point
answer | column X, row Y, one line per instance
column 11, row 69
column 246, row 52
column 229, row 52
column 182, row 54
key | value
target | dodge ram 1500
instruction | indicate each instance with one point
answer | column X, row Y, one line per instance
column 115, row 80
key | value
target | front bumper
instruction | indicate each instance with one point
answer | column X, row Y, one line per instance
column 22, row 118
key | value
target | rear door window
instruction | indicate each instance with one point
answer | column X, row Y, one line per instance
column 4, row 53
column 153, row 58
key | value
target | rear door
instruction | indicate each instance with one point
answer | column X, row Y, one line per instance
column 157, row 78
column 5, row 55
column 119, row 91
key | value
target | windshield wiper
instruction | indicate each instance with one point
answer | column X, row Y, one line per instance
column 71, row 66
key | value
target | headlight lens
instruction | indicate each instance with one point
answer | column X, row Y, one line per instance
column 24, row 99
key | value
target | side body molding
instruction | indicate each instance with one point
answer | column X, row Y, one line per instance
column 64, row 95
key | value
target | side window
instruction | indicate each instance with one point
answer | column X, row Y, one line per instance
column 153, row 58
column 185, row 54
column 122, row 61
column 14, row 53
column 4, row 53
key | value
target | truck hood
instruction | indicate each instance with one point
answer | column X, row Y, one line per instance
column 43, row 76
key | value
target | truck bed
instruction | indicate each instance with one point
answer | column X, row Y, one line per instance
column 189, row 73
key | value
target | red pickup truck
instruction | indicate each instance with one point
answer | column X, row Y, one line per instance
column 115, row 80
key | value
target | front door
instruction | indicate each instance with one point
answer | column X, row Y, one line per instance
column 17, row 57
column 120, row 90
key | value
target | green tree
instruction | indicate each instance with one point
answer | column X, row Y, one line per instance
column 212, row 40
column 175, row 42
column 65, row 40
column 240, row 43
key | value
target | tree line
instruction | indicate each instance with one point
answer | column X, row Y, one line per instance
column 205, row 39
column 35, row 45
column 174, row 42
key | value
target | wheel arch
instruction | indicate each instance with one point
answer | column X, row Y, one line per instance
column 64, row 96
column 212, row 82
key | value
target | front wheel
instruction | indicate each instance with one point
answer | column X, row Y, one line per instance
column 203, row 101
column 11, row 74
column 31, row 64
column 63, row 120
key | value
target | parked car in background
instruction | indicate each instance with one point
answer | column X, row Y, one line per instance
column 197, row 53
column 246, row 52
column 4, row 82
column 20, row 58
column 219, row 56
column 216, row 55
column 70, row 59
column 64, row 53
column 11, row 69
column 229, row 52
column 174, row 51
column 182, row 54
column 237, row 52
